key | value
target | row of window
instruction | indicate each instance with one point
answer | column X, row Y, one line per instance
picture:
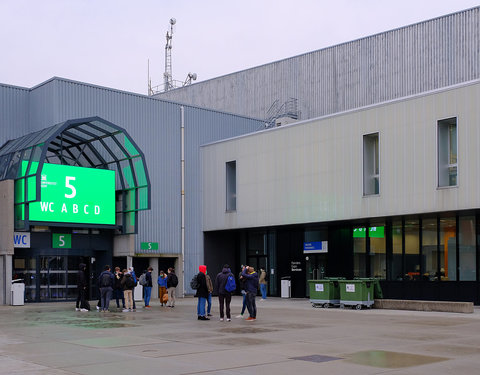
column 446, row 157
column 446, row 162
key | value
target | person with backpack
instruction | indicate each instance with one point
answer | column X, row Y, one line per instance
column 225, row 285
column 162, row 287
column 263, row 283
column 202, row 292
column 172, row 282
column 251, row 287
column 148, row 287
column 131, row 271
column 128, row 285
column 105, row 281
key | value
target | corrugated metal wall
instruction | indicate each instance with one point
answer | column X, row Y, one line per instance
column 13, row 112
column 155, row 125
column 402, row 62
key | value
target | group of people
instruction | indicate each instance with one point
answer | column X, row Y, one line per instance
column 225, row 285
column 121, row 285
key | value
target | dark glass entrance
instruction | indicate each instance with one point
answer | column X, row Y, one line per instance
column 316, row 268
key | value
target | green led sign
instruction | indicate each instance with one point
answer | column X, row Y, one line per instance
column 373, row 232
column 75, row 195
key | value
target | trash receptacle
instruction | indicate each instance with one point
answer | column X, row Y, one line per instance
column 286, row 286
column 18, row 292
column 324, row 292
column 357, row 293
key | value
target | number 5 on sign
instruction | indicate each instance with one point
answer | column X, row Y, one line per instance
column 61, row 241
column 70, row 186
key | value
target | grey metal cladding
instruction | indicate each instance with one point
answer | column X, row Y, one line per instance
column 14, row 113
column 202, row 127
column 421, row 57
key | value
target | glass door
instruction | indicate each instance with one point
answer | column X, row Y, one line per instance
column 316, row 265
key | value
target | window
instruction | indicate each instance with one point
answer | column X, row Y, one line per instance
column 467, row 259
column 447, row 152
column 231, row 173
column 371, row 176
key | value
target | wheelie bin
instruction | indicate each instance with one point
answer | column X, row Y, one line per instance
column 324, row 292
column 357, row 293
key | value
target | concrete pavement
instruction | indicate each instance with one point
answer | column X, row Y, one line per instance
column 289, row 337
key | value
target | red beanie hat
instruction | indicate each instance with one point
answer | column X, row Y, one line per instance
column 202, row 269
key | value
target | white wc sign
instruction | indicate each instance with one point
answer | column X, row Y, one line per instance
column 21, row 239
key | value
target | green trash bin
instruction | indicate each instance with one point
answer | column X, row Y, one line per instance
column 357, row 293
column 324, row 292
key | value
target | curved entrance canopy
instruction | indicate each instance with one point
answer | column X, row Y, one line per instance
column 89, row 142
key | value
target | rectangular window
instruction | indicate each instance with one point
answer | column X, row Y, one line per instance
column 396, row 269
column 371, row 169
column 447, row 249
column 429, row 249
column 231, row 173
column 467, row 259
column 447, row 152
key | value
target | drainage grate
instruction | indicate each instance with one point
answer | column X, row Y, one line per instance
column 316, row 358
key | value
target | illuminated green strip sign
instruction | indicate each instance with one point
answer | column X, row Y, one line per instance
column 75, row 195
column 149, row 245
column 373, row 232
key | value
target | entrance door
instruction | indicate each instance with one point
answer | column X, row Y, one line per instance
column 316, row 265
column 257, row 261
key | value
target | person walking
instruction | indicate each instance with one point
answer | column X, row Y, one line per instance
column 81, row 304
column 105, row 281
column 224, row 296
column 118, row 288
column 251, row 287
column 244, row 293
column 210, row 291
column 148, row 287
column 263, row 284
column 162, row 287
column 202, row 292
column 172, row 282
column 128, row 285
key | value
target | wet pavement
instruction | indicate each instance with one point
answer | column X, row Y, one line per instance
column 289, row 337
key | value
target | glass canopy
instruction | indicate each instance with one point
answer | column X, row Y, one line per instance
column 89, row 142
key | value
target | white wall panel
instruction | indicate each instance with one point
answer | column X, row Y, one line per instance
column 312, row 171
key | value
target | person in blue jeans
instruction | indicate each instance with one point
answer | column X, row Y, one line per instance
column 202, row 292
column 263, row 283
column 244, row 294
column 148, row 288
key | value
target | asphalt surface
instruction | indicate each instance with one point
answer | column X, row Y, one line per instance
column 288, row 337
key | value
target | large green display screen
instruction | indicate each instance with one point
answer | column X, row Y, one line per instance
column 75, row 195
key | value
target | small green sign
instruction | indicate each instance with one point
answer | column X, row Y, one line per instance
column 61, row 241
column 149, row 245
column 373, row 232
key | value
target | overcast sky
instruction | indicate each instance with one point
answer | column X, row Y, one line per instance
column 108, row 42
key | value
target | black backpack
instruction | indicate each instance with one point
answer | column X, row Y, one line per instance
column 130, row 283
column 105, row 281
column 174, row 280
column 194, row 283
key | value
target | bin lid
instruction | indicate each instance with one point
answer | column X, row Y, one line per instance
column 286, row 278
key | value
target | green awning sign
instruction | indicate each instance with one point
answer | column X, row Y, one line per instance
column 373, row 232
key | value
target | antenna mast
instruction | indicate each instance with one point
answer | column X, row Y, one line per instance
column 167, row 76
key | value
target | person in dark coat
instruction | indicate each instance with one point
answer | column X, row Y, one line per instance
column 224, row 297
column 251, row 287
column 202, row 293
column 81, row 288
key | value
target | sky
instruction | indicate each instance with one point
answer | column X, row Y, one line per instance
column 110, row 42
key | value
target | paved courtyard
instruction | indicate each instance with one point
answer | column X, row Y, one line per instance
column 289, row 337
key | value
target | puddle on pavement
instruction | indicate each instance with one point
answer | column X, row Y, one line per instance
column 296, row 326
column 246, row 330
column 454, row 350
column 384, row 359
column 239, row 341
